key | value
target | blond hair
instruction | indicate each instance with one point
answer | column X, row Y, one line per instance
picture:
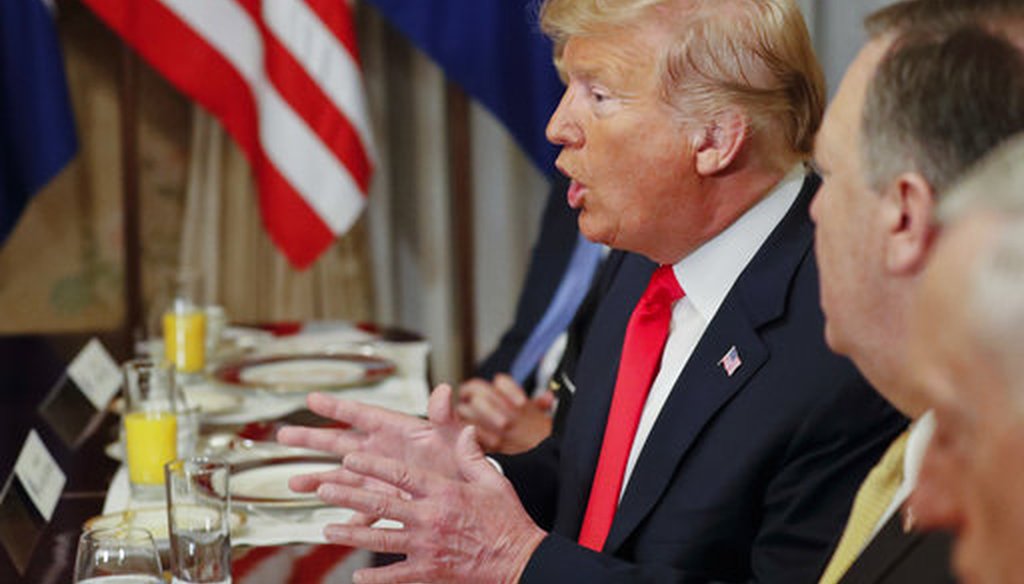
column 752, row 54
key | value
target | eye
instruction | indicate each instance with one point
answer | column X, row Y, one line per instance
column 598, row 93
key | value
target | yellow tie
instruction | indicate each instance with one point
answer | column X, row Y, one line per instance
column 873, row 498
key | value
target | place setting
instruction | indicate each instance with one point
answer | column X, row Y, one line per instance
column 196, row 494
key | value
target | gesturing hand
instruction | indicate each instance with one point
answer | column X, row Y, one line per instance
column 468, row 529
column 427, row 444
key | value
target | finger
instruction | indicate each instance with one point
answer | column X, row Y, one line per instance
column 467, row 413
column 332, row 440
column 373, row 503
column 399, row 475
column 361, row 520
column 492, row 411
column 472, row 387
column 489, row 439
column 365, row 418
column 307, row 483
column 378, row 539
column 471, row 460
column 439, row 408
column 509, row 389
column 545, row 401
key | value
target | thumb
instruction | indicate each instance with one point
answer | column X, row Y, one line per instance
column 545, row 401
column 439, row 408
column 473, row 465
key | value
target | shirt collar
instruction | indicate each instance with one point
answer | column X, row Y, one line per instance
column 709, row 272
column 917, row 444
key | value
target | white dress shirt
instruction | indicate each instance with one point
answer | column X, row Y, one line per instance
column 917, row 444
column 706, row 276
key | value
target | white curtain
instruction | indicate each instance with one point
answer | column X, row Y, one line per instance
column 409, row 212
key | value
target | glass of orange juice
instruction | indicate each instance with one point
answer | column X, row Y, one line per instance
column 150, row 424
column 185, row 337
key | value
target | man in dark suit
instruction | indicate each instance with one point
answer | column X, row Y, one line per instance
column 713, row 436
column 927, row 97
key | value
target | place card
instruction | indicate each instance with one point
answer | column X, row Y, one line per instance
column 96, row 374
column 40, row 475
column 28, row 500
column 75, row 405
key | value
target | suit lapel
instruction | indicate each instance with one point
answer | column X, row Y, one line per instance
column 700, row 391
column 758, row 297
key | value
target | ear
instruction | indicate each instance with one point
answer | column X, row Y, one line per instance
column 908, row 206
column 721, row 142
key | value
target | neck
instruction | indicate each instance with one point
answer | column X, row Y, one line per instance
column 725, row 197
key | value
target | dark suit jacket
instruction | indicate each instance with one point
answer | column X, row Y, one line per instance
column 548, row 262
column 898, row 557
column 743, row 477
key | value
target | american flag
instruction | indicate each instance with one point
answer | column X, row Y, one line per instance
column 731, row 361
column 283, row 77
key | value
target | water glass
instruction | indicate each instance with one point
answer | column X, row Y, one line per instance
column 117, row 555
column 150, row 424
column 199, row 520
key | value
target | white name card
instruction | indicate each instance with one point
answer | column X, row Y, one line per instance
column 96, row 374
column 39, row 474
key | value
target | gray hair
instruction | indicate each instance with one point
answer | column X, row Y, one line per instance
column 940, row 100
column 994, row 288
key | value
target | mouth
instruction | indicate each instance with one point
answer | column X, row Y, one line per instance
column 577, row 190
column 575, row 194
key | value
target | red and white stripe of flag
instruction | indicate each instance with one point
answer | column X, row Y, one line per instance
column 283, row 76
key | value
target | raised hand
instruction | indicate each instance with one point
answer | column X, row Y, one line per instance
column 468, row 529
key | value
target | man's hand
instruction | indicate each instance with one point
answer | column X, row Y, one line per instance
column 470, row 529
column 506, row 420
column 427, row 444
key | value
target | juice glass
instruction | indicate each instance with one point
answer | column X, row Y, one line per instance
column 150, row 424
column 185, row 338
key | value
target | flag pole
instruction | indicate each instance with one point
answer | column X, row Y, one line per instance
column 129, row 89
column 461, row 170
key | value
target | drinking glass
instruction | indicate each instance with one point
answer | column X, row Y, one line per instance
column 150, row 424
column 199, row 520
column 184, row 324
column 118, row 555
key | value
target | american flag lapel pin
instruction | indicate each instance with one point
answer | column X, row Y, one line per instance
column 731, row 361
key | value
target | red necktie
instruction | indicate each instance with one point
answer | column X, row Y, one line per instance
column 641, row 355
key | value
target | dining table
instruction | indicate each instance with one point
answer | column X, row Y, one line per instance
column 255, row 381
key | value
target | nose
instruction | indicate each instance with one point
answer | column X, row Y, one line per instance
column 562, row 128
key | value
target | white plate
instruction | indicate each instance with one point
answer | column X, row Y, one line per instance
column 264, row 482
column 300, row 373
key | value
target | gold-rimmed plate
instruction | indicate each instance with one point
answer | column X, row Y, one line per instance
column 264, row 482
column 305, row 372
